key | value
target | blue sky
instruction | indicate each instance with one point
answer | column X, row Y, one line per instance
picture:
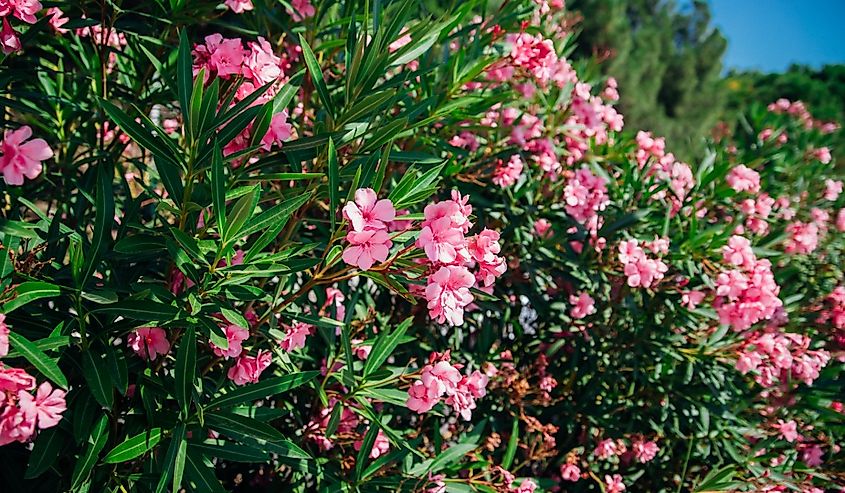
column 769, row 35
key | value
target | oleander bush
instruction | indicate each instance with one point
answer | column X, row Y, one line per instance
column 366, row 246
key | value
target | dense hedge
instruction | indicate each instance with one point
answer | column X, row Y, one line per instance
column 397, row 246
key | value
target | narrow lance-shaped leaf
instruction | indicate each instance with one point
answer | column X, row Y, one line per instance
column 133, row 446
column 186, row 362
column 334, row 173
column 38, row 359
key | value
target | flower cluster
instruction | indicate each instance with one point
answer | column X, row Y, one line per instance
column 780, row 357
column 748, row 293
column 438, row 379
column 641, row 270
column 21, row 412
column 368, row 226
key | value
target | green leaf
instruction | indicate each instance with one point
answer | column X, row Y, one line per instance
column 146, row 310
column 184, row 74
column 29, row 291
column 96, row 373
column 231, row 452
column 276, row 214
column 316, row 76
column 513, row 441
column 241, row 212
column 218, row 187
column 46, row 365
column 241, row 425
column 384, row 346
column 103, row 220
column 96, row 441
column 334, row 419
column 134, row 446
column 48, row 445
column 261, row 390
column 364, row 451
column 175, row 454
column 186, row 362
column 334, row 171
column 201, row 477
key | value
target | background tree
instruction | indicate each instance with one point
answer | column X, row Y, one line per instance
column 667, row 60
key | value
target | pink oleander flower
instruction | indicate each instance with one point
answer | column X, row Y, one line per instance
column 840, row 220
column 302, row 9
column 57, row 19
column 239, row 6
column 15, row 426
column 248, row 369
column 585, row 195
column 441, row 240
column 582, row 305
column 235, row 335
column 542, row 228
column 45, row 408
column 787, row 430
column 691, row 299
column 149, row 342
column 422, row 398
column 366, row 248
column 506, row 175
column 484, row 248
column 334, row 307
column 367, row 212
column 526, row 486
column 20, row 158
column 9, row 40
column 744, row 179
column 442, row 376
column 380, row 447
column 570, row 472
column 645, row 451
column 822, row 154
column 280, row 131
column 812, row 455
column 803, row 238
column 15, row 379
column 295, row 335
column 606, row 448
column 227, row 57
column 738, row 252
column 448, row 293
column 613, row 484
column 4, row 336
column 24, row 10
column 261, row 65
column 832, row 189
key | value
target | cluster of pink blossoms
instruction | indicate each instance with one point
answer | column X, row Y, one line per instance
column 744, row 179
column 450, row 254
column 803, row 238
column 748, row 293
column 21, row 413
column 258, row 65
column 25, row 10
column 148, row 342
column 440, row 378
column 506, row 174
column 757, row 212
column 641, row 270
column 22, row 157
column 585, row 195
column 799, row 110
column 780, row 357
column 346, row 430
